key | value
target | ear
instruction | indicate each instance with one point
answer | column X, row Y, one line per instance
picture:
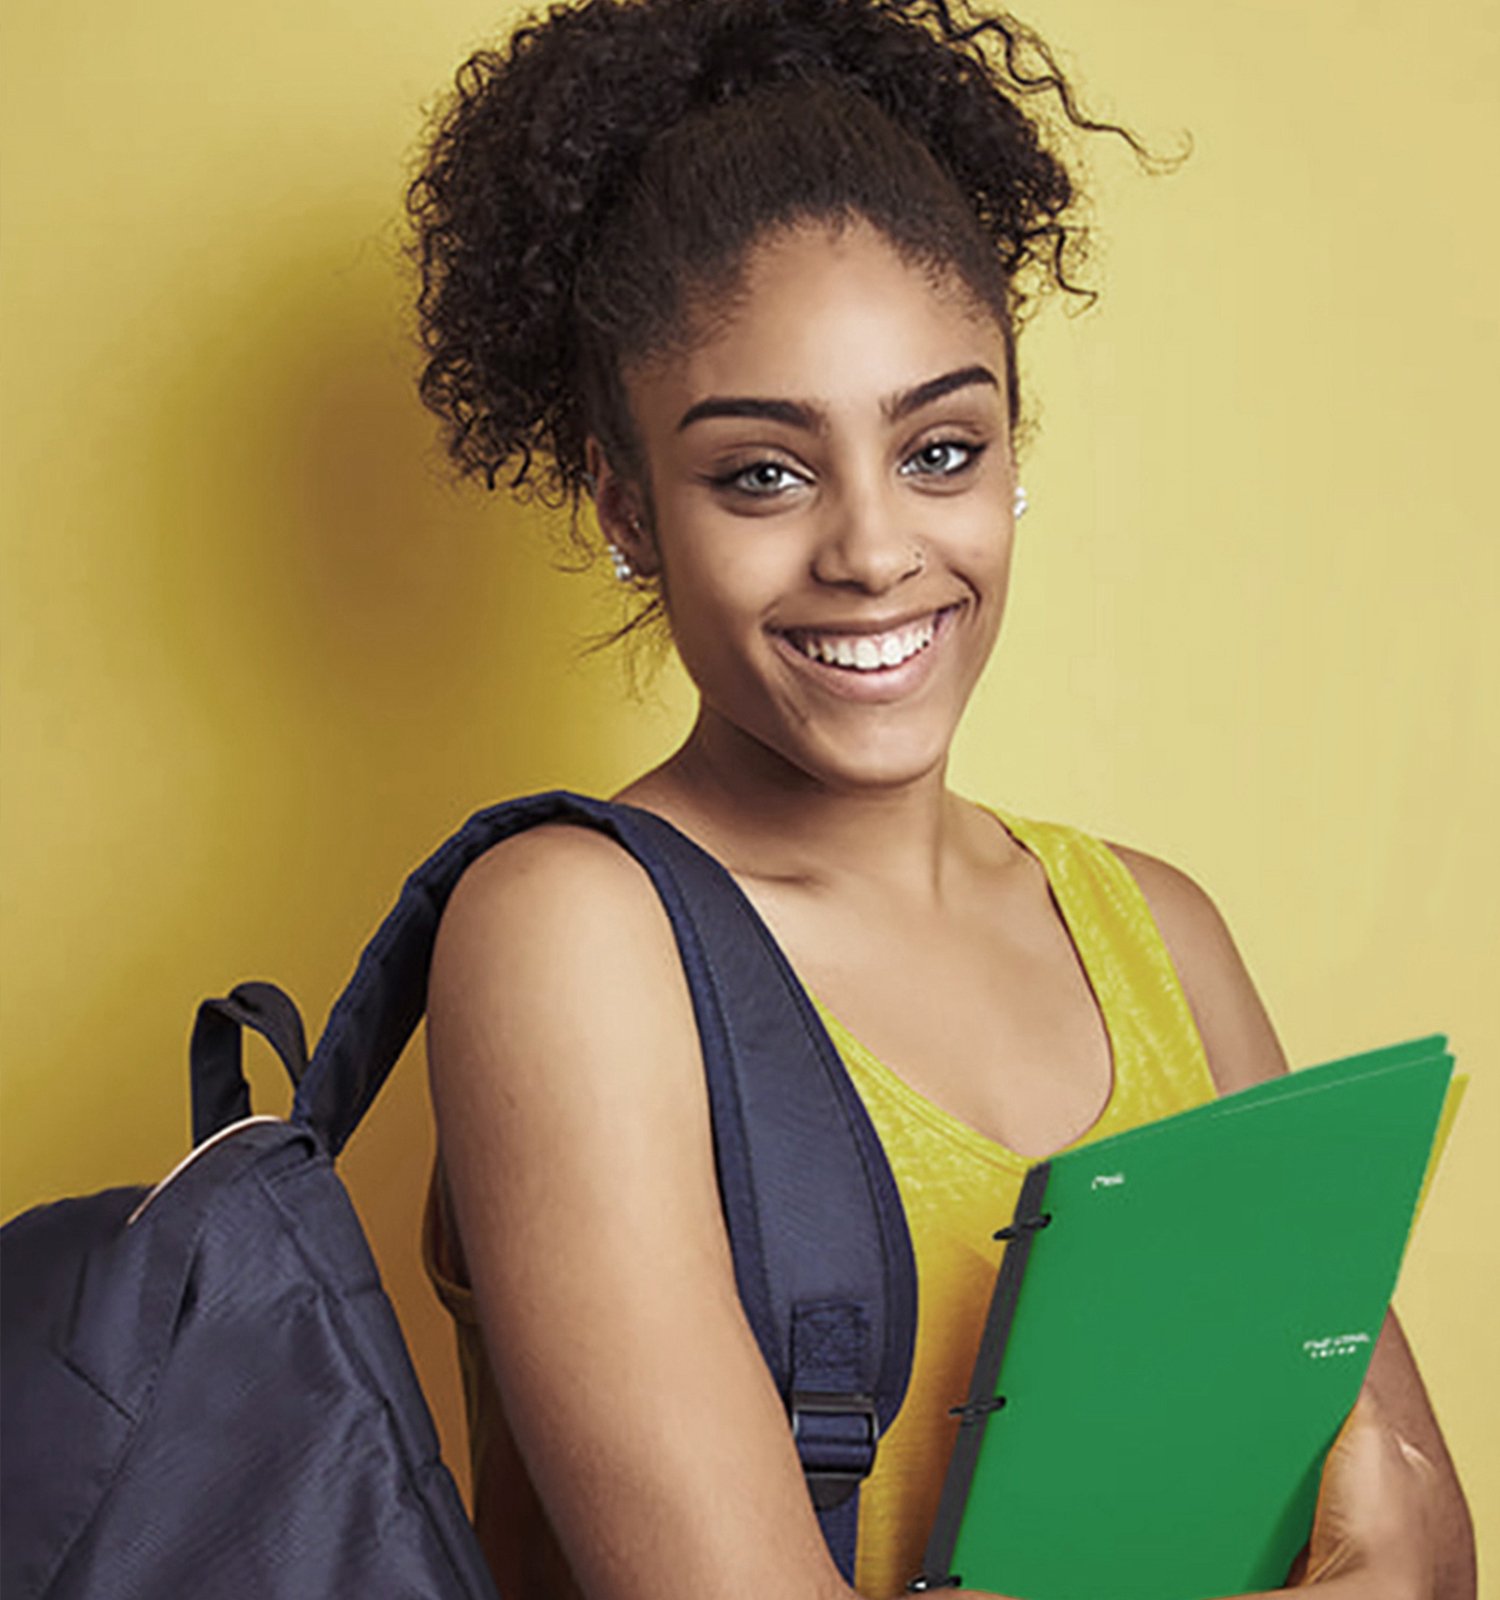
column 621, row 508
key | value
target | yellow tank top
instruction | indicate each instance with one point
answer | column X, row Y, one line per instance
column 956, row 1186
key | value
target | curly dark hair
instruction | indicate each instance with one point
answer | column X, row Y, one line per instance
column 601, row 177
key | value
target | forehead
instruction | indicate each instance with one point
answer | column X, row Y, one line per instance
column 832, row 315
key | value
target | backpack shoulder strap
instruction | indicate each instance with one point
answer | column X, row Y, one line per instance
column 822, row 1254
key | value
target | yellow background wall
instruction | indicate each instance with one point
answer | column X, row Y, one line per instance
column 259, row 655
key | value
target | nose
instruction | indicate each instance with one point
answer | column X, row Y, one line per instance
column 869, row 542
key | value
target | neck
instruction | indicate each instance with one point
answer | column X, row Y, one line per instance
column 767, row 819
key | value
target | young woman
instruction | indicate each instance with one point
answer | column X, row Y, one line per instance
column 747, row 274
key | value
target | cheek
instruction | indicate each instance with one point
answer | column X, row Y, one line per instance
column 723, row 577
column 984, row 546
column 710, row 608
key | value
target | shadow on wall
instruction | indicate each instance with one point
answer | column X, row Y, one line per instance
column 398, row 650
column 330, row 579
column 347, row 654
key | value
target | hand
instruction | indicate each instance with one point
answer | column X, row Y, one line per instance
column 1373, row 1535
column 1372, row 1526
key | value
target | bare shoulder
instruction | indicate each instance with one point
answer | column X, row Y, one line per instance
column 573, row 879
column 1189, row 920
column 555, row 962
column 559, row 913
column 1237, row 1034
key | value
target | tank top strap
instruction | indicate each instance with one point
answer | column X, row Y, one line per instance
column 1159, row 1061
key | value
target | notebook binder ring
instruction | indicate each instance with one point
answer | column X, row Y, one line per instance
column 1014, row 1230
column 977, row 1410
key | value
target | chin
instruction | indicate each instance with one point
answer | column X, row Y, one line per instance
column 873, row 763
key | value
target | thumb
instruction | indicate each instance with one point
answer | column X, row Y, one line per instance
column 1370, row 1503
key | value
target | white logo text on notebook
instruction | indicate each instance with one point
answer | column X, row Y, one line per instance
column 1338, row 1344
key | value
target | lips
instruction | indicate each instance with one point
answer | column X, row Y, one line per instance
column 872, row 649
column 866, row 652
column 880, row 662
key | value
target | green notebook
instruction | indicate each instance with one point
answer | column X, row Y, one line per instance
column 1182, row 1321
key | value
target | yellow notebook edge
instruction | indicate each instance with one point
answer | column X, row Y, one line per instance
column 1458, row 1086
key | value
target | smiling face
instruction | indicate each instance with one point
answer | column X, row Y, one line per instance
column 831, row 489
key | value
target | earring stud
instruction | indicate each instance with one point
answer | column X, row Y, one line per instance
column 620, row 562
column 1021, row 502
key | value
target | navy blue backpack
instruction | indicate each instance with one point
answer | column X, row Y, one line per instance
column 205, row 1391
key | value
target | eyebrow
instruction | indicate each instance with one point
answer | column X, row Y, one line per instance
column 909, row 400
column 812, row 419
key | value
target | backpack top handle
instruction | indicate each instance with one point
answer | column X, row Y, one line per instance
column 221, row 1095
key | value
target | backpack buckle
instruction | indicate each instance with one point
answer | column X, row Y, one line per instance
column 835, row 1435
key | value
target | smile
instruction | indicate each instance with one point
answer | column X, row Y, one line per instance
column 866, row 652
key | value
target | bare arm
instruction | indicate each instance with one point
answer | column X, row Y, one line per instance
column 574, row 1128
column 1242, row 1050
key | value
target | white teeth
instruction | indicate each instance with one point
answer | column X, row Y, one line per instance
column 869, row 652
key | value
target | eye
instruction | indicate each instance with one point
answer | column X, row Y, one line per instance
column 759, row 479
column 942, row 458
